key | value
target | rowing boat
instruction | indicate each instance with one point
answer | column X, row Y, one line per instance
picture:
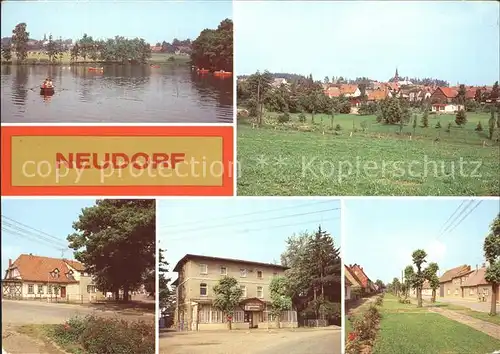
column 46, row 91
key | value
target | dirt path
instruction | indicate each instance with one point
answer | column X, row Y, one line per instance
column 490, row 329
column 362, row 304
column 14, row 342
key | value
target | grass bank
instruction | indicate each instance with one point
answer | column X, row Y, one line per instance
column 305, row 158
column 467, row 311
column 406, row 329
column 37, row 58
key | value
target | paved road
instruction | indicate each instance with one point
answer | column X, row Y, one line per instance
column 476, row 306
column 299, row 341
column 31, row 312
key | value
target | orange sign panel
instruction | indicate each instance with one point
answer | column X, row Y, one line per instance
column 117, row 161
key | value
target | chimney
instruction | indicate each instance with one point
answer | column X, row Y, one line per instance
column 10, row 262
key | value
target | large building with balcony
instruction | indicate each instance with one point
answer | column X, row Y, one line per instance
column 195, row 295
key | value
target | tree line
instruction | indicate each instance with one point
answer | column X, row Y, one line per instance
column 415, row 275
column 311, row 285
column 112, row 50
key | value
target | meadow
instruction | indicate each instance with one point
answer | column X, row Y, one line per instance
column 404, row 328
column 41, row 58
column 355, row 155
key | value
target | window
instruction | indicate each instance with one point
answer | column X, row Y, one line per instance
column 485, row 291
column 49, row 289
column 223, row 270
column 31, row 289
column 91, row 289
column 203, row 289
column 260, row 292
column 217, row 316
column 243, row 272
column 40, row 289
column 471, row 291
column 203, row 269
column 244, row 288
column 259, row 274
column 238, row 316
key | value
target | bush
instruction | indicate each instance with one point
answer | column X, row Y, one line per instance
column 302, row 118
column 108, row 336
column 379, row 301
column 284, row 118
column 479, row 127
column 438, row 125
column 338, row 128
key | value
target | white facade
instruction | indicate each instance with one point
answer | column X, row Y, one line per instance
column 447, row 108
column 347, row 292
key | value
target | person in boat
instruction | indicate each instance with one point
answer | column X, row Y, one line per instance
column 49, row 83
column 44, row 85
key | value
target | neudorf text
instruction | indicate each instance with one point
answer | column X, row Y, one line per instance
column 119, row 160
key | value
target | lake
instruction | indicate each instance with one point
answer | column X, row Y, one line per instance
column 120, row 94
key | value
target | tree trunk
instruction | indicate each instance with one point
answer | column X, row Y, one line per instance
column 419, row 297
column 494, row 295
column 259, row 120
column 117, row 294
column 433, row 299
column 126, row 296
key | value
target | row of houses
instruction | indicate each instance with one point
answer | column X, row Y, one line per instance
column 442, row 99
column 463, row 282
column 357, row 283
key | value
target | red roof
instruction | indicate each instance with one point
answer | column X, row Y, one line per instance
column 332, row 92
column 448, row 92
column 476, row 278
column 39, row 269
column 376, row 95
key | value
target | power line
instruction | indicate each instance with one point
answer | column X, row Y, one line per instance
column 31, row 228
column 262, row 228
column 475, row 206
column 464, row 210
column 254, row 221
column 27, row 233
column 452, row 215
column 249, row 214
column 36, row 239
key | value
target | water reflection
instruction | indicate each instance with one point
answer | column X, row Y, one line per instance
column 121, row 93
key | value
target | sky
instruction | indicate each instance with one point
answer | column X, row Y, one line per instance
column 453, row 41
column 242, row 228
column 38, row 226
column 381, row 234
column 155, row 21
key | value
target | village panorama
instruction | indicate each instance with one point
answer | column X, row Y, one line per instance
column 298, row 135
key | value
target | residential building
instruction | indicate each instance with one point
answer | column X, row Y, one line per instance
column 450, row 283
column 32, row 277
column 377, row 95
column 277, row 82
column 366, row 283
column 195, row 295
column 477, row 288
column 443, row 100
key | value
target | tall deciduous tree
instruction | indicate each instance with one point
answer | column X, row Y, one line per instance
column 418, row 258
column 227, row 297
column 491, row 248
column 280, row 297
column 409, row 277
column 20, row 38
column 213, row 49
column 259, row 85
column 430, row 274
column 115, row 240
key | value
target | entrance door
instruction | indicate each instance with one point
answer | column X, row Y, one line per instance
column 63, row 291
column 441, row 290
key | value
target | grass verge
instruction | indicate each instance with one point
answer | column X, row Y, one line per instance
column 405, row 329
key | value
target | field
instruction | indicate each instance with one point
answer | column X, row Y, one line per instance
column 319, row 159
column 156, row 58
column 408, row 329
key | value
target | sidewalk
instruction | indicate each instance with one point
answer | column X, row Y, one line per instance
column 488, row 328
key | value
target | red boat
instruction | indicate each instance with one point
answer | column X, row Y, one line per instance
column 223, row 73
column 202, row 71
column 96, row 69
column 155, row 66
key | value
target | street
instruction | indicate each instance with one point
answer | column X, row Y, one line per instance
column 473, row 305
column 19, row 313
column 289, row 341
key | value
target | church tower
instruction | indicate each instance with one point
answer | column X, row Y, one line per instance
column 396, row 76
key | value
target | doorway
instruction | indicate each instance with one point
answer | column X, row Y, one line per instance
column 63, row 291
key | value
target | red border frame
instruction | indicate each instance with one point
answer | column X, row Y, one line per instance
column 226, row 132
